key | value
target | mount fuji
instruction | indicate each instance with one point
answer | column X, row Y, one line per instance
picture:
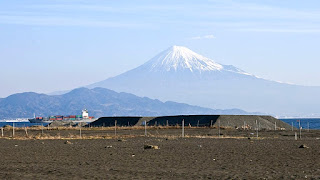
column 179, row 74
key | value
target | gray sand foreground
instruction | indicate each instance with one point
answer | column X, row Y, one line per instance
column 275, row 157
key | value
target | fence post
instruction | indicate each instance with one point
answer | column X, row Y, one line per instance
column 300, row 128
column 300, row 132
column 2, row 132
column 257, row 128
column 115, row 128
column 80, row 130
column 12, row 129
column 26, row 130
column 183, row 128
column 219, row 128
column 145, row 128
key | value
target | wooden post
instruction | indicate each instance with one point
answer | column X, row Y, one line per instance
column 291, row 126
column 42, row 129
column 128, row 123
column 155, row 123
column 12, row 129
column 219, row 128
column 244, row 124
column 115, row 128
column 211, row 123
column 2, row 132
column 183, row 128
column 308, row 127
column 198, row 124
column 275, row 125
column 300, row 128
column 167, row 123
column 26, row 130
column 145, row 128
column 300, row 132
column 80, row 130
column 257, row 128
column 295, row 136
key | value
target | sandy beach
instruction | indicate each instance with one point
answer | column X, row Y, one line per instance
column 237, row 154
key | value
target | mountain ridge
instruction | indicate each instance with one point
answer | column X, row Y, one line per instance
column 99, row 101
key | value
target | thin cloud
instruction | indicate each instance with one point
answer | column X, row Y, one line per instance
column 210, row 36
column 65, row 21
column 217, row 14
column 277, row 30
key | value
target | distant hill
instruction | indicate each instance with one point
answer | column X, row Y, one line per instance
column 100, row 102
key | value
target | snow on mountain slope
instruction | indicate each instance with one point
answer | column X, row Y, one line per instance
column 179, row 58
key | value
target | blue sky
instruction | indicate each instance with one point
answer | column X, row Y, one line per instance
column 54, row 45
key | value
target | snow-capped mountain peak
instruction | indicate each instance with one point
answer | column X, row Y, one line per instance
column 178, row 58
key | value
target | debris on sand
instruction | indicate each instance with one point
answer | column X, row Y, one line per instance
column 108, row 147
column 68, row 142
column 303, row 146
column 151, row 147
column 63, row 124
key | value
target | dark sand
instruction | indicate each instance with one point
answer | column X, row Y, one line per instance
column 276, row 156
